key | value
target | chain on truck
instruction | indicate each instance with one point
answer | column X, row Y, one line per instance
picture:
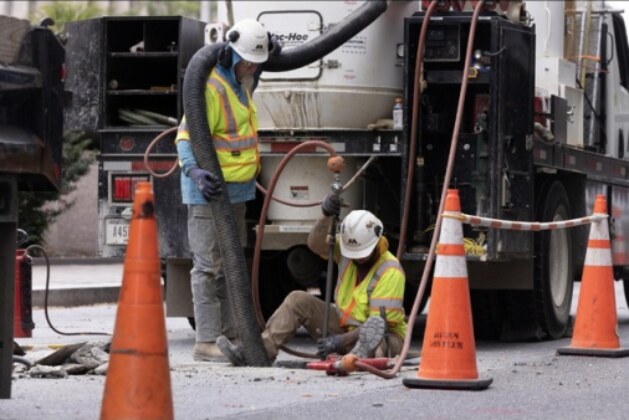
column 545, row 128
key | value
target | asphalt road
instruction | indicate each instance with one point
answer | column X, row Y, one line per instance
column 529, row 381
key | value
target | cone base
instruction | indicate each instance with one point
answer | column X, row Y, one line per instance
column 461, row 384
column 575, row 351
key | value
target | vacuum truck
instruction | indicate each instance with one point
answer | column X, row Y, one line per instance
column 540, row 132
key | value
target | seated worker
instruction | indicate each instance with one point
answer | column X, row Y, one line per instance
column 370, row 285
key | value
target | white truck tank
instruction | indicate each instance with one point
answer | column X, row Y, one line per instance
column 351, row 87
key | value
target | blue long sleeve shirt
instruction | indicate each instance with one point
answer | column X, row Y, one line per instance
column 190, row 194
column 238, row 192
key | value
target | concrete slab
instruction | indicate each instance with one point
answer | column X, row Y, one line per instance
column 76, row 282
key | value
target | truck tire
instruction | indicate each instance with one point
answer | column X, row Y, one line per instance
column 553, row 279
column 487, row 314
column 410, row 293
column 275, row 281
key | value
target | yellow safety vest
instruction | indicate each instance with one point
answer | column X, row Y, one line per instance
column 234, row 129
column 382, row 286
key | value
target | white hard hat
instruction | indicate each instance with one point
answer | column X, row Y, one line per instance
column 360, row 233
column 250, row 40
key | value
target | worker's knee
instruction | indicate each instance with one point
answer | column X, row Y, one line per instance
column 297, row 297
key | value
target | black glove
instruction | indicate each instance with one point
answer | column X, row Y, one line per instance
column 329, row 345
column 208, row 183
column 331, row 205
column 275, row 47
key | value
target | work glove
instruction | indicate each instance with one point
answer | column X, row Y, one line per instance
column 208, row 183
column 331, row 205
column 329, row 345
column 275, row 46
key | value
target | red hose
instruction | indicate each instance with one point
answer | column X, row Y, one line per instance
column 255, row 281
column 453, row 145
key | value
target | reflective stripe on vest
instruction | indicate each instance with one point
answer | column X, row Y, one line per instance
column 182, row 131
column 345, row 317
column 237, row 154
column 379, row 272
column 374, row 304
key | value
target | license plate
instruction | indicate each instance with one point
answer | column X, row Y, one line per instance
column 116, row 231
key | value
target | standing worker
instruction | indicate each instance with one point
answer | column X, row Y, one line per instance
column 370, row 290
column 233, row 126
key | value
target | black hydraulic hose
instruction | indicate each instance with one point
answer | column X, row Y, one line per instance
column 47, row 289
column 328, row 41
column 234, row 264
column 22, row 360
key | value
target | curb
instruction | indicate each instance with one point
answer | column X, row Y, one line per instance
column 77, row 260
column 76, row 296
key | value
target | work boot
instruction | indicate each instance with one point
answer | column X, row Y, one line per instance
column 233, row 352
column 207, row 352
column 370, row 336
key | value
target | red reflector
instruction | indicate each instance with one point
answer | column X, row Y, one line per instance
column 287, row 147
column 63, row 72
column 538, row 108
column 122, row 189
column 155, row 165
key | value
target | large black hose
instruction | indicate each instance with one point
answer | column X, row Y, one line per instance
column 327, row 42
column 234, row 265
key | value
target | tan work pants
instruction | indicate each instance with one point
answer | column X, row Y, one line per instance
column 301, row 308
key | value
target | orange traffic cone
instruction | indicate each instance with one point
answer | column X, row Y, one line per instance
column 595, row 327
column 138, row 377
column 449, row 352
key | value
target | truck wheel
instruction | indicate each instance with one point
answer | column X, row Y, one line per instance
column 410, row 293
column 275, row 281
column 486, row 314
column 553, row 280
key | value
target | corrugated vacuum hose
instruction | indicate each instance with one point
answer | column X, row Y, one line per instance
column 234, row 264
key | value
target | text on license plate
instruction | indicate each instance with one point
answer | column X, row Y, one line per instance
column 116, row 232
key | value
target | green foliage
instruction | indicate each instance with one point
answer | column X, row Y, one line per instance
column 37, row 210
column 63, row 12
column 167, row 8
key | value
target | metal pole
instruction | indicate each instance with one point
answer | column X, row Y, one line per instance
column 336, row 189
column 230, row 12
column 205, row 12
column 595, row 80
column 8, row 237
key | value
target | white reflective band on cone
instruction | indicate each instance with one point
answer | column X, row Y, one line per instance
column 451, row 266
column 598, row 257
